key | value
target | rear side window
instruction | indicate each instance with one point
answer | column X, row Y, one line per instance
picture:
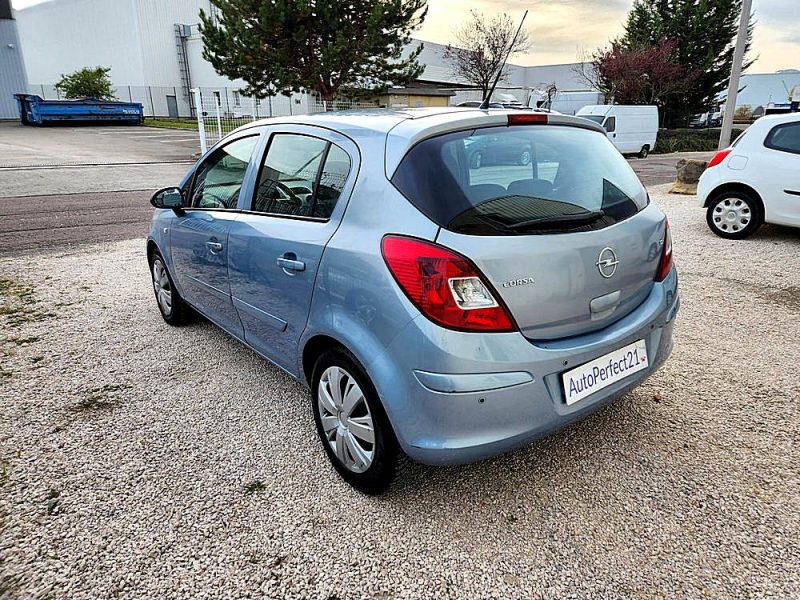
column 785, row 138
column 301, row 176
column 520, row 180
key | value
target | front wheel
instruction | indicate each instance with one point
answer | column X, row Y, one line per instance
column 352, row 424
column 476, row 161
column 525, row 157
column 172, row 307
column 733, row 215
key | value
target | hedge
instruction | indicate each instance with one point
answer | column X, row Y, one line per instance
column 689, row 140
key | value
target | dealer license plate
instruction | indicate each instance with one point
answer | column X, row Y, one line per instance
column 602, row 372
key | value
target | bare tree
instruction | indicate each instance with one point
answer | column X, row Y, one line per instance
column 481, row 46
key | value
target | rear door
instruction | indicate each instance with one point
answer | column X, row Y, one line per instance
column 778, row 170
column 304, row 179
column 199, row 237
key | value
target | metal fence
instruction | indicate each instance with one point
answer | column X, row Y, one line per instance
column 218, row 115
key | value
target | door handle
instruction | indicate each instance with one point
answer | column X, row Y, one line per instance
column 214, row 247
column 289, row 262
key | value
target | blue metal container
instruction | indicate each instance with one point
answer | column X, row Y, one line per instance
column 33, row 110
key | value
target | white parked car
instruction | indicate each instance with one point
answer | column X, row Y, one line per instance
column 756, row 180
column 632, row 129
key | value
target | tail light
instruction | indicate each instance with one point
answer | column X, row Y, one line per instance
column 718, row 157
column 445, row 286
column 527, row 118
column 665, row 264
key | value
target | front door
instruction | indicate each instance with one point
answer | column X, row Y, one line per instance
column 199, row 238
column 779, row 168
column 276, row 247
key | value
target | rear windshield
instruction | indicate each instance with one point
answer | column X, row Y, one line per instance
column 520, row 180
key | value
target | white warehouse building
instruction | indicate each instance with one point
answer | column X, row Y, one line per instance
column 154, row 50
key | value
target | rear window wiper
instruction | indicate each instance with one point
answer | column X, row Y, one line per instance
column 575, row 219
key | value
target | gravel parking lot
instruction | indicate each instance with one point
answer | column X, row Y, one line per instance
column 141, row 461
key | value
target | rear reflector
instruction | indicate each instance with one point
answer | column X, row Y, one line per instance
column 527, row 118
column 718, row 157
column 665, row 264
column 445, row 286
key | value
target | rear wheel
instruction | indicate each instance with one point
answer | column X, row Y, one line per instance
column 644, row 151
column 172, row 307
column 352, row 424
column 477, row 160
column 733, row 215
column 525, row 157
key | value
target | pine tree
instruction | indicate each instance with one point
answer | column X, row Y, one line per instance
column 332, row 48
column 705, row 32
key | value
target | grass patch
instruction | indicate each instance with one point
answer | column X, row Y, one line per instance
column 18, row 304
column 689, row 140
column 100, row 398
column 52, row 501
column 254, row 487
column 172, row 123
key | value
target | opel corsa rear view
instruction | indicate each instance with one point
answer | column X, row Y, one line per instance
column 436, row 307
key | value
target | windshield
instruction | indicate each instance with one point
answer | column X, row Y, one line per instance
column 520, row 180
column 596, row 118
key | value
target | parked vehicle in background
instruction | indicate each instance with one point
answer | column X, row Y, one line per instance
column 436, row 309
column 497, row 150
column 477, row 103
column 699, row 121
column 632, row 129
column 756, row 180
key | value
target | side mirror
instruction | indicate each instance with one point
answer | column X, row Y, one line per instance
column 168, row 197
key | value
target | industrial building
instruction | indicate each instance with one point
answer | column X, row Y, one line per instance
column 154, row 50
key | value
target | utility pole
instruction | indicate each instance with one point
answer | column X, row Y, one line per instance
column 736, row 71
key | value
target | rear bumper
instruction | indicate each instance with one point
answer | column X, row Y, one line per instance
column 458, row 397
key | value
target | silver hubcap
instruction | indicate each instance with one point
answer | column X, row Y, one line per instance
column 162, row 287
column 731, row 215
column 525, row 158
column 346, row 419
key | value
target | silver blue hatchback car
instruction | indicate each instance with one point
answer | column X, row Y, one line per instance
column 438, row 306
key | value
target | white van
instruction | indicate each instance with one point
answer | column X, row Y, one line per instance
column 632, row 129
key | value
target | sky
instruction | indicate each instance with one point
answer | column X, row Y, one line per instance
column 562, row 30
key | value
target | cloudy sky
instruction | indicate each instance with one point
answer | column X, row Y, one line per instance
column 562, row 29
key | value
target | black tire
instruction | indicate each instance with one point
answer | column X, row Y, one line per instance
column 723, row 209
column 644, row 151
column 386, row 453
column 524, row 158
column 177, row 312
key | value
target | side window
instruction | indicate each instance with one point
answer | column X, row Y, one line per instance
column 219, row 179
column 287, row 177
column 611, row 124
column 785, row 138
column 301, row 176
column 331, row 182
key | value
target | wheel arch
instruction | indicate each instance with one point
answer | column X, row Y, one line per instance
column 313, row 349
column 736, row 187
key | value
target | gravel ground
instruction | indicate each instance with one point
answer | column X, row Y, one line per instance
column 141, row 461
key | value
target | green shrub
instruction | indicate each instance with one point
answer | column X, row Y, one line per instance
column 689, row 140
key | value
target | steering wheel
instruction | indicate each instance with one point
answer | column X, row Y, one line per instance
column 289, row 192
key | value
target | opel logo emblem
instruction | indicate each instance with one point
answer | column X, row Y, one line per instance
column 607, row 263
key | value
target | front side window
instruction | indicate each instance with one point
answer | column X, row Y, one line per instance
column 611, row 124
column 520, row 180
column 301, row 176
column 785, row 138
column 218, row 180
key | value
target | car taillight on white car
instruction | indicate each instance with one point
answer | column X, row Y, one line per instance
column 445, row 286
column 665, row 264
column 718, row 157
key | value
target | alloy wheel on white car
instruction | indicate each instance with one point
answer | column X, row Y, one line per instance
column 733, row 215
